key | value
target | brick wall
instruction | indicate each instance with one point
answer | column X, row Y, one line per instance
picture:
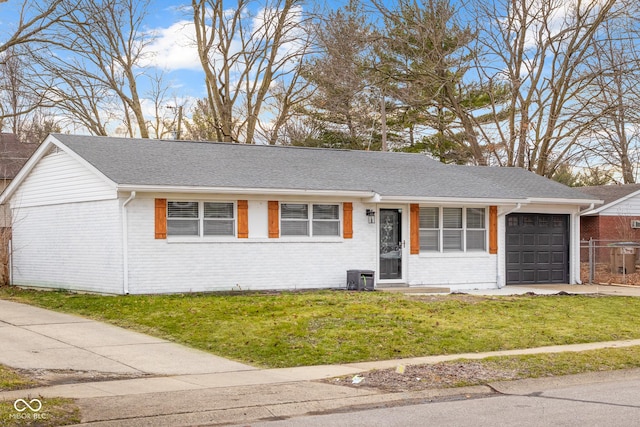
column 606, row 229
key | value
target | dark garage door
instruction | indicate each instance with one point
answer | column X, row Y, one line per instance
column 537, row 248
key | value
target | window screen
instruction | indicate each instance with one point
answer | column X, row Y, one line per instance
column 182, row 219
column 294, row 219
column 326, row 220
column 218, row 219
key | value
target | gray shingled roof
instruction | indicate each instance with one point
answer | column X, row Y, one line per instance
column 13, row 155
column 200, row 164
column 610, row 193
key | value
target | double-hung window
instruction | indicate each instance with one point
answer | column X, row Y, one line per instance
column 200, row 218
column 302, row 219
column 452, row 229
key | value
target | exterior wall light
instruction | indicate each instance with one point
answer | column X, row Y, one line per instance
column 371, row 216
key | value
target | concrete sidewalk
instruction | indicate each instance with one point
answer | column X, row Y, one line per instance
column 35, row 338
column 181, row 386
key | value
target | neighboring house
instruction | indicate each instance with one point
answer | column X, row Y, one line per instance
column 13, row 155
column 122, row 216
column 618, row 219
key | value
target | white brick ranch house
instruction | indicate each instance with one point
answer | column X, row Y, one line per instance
column 120, row 216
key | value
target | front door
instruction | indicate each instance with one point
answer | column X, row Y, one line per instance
column 390, row 244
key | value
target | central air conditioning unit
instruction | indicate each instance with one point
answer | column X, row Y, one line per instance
column 635, row 223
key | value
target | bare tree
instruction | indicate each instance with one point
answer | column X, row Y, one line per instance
column 33, row 19
column 615, row 132
column 97, row 63
column 539, row 49
column 18, row 98
column 245, row 54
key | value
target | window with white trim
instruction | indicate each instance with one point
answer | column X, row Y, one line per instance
column 302, row 219
column 190, row 218
column 452, row 229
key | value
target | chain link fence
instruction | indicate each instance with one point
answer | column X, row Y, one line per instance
column 609, row 262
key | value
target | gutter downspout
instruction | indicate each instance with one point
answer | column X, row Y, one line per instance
column 498, row 278
column 590, row 208
column 125, row 245
column 517, row 208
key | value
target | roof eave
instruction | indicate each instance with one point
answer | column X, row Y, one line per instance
column 564, row 201
column 242, row 190
column 467, row 201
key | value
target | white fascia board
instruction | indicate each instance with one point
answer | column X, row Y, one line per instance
column 44, row 148
column 550, row 201
column 247, row 191
column 447, row 201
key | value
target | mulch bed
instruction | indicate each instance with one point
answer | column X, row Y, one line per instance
column 604, row 276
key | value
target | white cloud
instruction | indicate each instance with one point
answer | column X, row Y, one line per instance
column 174, row 48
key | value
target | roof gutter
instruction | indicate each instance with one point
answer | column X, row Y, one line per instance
column 564, row 201
column 445, row 200
column 244, row 191
column 125, row 245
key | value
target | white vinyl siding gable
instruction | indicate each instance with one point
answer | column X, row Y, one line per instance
column 60, row 178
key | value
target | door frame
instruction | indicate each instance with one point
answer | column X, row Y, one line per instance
column 404, row 228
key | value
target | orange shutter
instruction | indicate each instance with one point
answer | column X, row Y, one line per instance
column 243, row 219
column 493, row 230
column 347, row 219
column 414, row 234
column 161, row 219
column 274, row 219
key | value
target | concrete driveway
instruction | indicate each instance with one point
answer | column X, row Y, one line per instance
column 34, row 338
column 633, row 291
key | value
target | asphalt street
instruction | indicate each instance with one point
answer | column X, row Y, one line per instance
column 611, row 403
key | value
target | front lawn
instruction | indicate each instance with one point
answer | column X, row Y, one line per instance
column 329, row 327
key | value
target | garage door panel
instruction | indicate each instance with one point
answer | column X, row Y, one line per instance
column 543, row 240
column 544, row 257
column 513, row 276
column 529, row 258
column 513, row 240
column 558, row 239
column 558, row 258
column 537, row 249
column 557, row 275
column 544, row 276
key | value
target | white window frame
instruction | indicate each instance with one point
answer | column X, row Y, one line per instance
column 201, row 220
column 310, row 220
column 440, row 231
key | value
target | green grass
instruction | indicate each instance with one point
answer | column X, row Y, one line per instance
column 329, row 327
column 11, row 380
column 54, row 412
column 567, row 363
